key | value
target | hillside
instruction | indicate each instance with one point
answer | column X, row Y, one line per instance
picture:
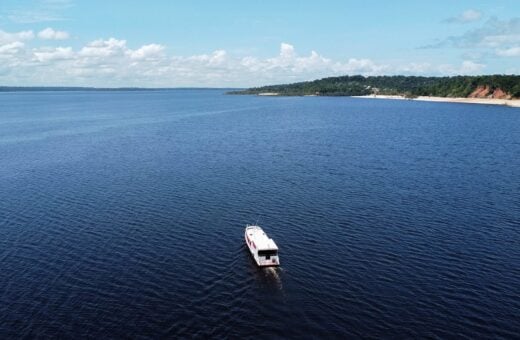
column 490, row 86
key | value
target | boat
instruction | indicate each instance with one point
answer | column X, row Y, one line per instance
column 263, row 248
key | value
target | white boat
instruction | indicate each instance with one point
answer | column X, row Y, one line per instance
column 263, row 248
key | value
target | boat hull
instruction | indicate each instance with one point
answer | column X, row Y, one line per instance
column 261, row 261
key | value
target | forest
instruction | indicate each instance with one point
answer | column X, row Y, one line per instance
column 409, row 86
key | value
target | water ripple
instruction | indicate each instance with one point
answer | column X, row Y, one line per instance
column 126, row 219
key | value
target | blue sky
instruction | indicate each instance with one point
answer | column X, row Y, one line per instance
column 248, row 43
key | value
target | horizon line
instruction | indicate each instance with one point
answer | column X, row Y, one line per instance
column 10, row 88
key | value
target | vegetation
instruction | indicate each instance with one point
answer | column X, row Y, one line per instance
column 409, row 86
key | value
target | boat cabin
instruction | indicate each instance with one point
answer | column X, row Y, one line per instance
column 263, row 248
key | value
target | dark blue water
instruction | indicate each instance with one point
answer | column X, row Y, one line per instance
column 122, row 215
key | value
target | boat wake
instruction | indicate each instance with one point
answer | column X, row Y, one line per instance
column 272, row 276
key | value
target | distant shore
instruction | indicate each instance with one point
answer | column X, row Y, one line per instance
column 487, row 101
column 493, row 89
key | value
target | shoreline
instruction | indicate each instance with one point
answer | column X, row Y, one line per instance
column 268, row 94
column 485, row 101
column 482, row 101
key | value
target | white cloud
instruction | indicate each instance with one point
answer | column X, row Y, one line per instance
column 37, row 11
column 493, row 34
column 152, row 51
column 111, row 62
column 417, row 68
column 470, row 15
column 286, row 51
column 214, row 59
column 289, row 65
column 31, row 17
column 471, row 67
column 363, row 66
column 509, row 52
column 467, row 16
column 51, row 34
column 11, row 48
column 6, row 37
column 104, row 48
column 218, row 57
column 497, row 40
column 467, row 67
column 52, row 54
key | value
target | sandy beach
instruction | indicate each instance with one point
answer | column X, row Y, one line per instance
column 488, row 101
column 268, row 94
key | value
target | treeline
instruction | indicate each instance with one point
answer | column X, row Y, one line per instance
column 74, row 88
column 457, row 86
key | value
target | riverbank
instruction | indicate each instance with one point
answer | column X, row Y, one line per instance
column 268, row 94
column 486, row 101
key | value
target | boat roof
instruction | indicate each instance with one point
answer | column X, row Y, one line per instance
column 259, row 237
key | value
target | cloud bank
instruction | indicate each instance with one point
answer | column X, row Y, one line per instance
column 500, row 37
column 112, row 62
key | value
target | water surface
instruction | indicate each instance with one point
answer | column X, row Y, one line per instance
column 122, row 215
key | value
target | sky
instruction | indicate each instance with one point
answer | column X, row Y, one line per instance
column 169, row 43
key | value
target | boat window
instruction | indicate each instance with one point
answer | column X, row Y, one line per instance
column 267, row 253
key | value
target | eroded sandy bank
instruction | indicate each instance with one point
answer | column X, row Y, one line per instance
column 488, row 101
